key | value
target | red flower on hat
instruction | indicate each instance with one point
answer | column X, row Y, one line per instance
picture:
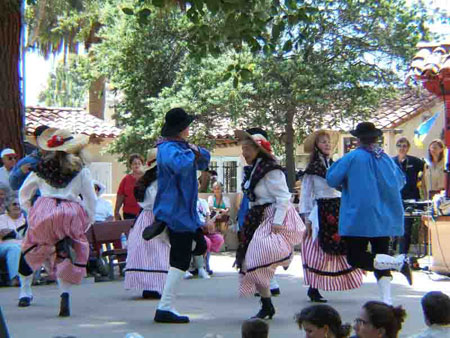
column 331, row 219
column 55, row 141
column 265, row 144
column 336, row 237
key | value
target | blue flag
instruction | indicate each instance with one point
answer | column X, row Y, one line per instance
column 423, row 129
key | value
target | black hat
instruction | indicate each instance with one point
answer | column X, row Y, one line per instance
column 176, row 121
column 366, row 129
column 254, row 131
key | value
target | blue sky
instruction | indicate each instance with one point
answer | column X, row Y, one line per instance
column 37, row 68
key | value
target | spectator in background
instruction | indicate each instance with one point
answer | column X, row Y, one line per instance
column 103, row 208
column 433, row 181
column 436, row 312
column 125, row 194
column 379, row 320
column 412, row 167
column 4, row 192
column 12, row 226
column 27, row 164
column 255, row 328
column 9, row 159
column 219, row 204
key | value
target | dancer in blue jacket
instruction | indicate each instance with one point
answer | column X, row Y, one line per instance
column 176, row 204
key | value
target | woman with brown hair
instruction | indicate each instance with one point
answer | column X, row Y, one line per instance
column 322, row 321
column 323, row 252
column 125, row 194
column 433, row 181
column 147, row 261
column 379, row 320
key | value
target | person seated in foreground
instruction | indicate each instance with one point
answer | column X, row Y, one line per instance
column 322, row 321
column 436, row 313
column 255, row 328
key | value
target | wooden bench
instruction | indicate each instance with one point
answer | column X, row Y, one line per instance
column 108, row 233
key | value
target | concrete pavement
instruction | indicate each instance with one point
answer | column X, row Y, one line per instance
column 107, row 310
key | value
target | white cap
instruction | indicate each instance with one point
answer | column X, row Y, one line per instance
column 8, row 151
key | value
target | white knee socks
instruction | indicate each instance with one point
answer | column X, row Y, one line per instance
column 25, row 286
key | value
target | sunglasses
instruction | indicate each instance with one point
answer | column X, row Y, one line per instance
column 15, row 204
column 360, row 321
column 11, row 158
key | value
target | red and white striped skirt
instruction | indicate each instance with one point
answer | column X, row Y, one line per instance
column 49, row 221
column 147, row 261
column 327, row 272
column 268, row 250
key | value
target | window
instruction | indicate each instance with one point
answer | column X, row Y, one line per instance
column 230, row 176
column 229, row 172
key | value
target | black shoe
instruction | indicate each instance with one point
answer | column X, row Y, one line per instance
column 64, row 306
column 25, row 301
column 194, row 272
column 146, row 294
column 406, row 271
column 275, row 292
column 162, row 316
column 315, row 296
column 267, row 309
column 153, row 230
column 210, row 272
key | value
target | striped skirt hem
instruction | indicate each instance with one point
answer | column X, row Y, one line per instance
column 328, row 272
column 147, row 261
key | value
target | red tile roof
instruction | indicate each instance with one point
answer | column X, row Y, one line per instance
column 393, row 112
column 76, row 120
column 432, row 61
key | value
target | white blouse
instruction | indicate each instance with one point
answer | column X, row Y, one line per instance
column 103, row 210
column 203, row 210
column 313, row 188
column 81, row 185
column 149, row 198
column 272, row 188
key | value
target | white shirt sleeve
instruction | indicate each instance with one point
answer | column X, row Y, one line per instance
column 211, row 201
column 88, row 194
column 206, row 207
column 276, row 185
column 307, row 194
column 28, row 190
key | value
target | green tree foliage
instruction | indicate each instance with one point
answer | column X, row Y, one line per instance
column 140, row 58
column 68, row 85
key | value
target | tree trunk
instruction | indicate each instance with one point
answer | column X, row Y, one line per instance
column 290, row 148
column 11, row 110
column 97, row 98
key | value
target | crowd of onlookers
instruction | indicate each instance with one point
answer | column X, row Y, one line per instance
column 375, row 320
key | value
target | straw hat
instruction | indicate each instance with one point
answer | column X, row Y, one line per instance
column 308, row 144
column 151, row 158
column 53, row 139
column 258, row 140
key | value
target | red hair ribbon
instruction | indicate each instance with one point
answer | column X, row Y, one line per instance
column 149, row 163
column 57, row 140
column 265, row 144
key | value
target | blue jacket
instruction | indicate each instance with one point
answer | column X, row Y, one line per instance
column 243, row 210
column 17, row 177
column 371, row 204
column 176, row 199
